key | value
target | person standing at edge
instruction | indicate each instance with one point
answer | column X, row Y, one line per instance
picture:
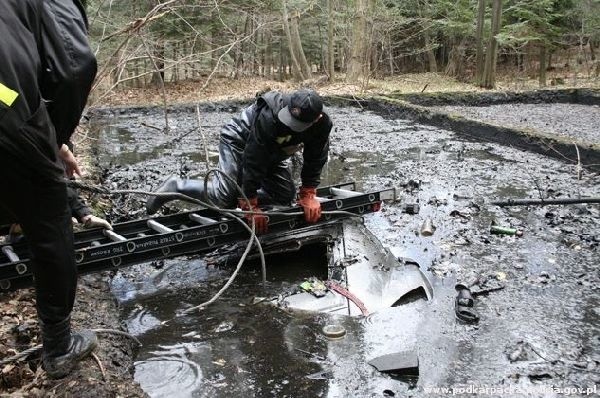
column 253, row 151
column 46, row 74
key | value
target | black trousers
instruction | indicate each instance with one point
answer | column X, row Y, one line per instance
column 276, row 188
column 37, row 199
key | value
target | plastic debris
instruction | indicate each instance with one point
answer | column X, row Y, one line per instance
column 404, row 362
column 464, row 305
column 314, row 286
column 334, row 331
column 427, row 229
column 224, row 327
column 411, row 208
column 322, row 375
column 498, row 230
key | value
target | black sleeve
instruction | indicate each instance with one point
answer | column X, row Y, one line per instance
column 257, row 153
column 68, row 64
column 78, row 207
column 315, row 153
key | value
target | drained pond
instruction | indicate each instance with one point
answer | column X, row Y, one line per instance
column 539, row 321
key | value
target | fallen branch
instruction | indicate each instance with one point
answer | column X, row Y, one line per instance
column 204, row 143
column 100, row 366
column 578, row 162
column 526, row 202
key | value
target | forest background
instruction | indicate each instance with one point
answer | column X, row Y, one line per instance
column 186, row 49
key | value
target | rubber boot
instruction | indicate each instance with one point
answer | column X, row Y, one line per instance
column 192, row 188
column 63, row 349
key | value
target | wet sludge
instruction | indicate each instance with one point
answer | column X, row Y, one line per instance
column 551, row 276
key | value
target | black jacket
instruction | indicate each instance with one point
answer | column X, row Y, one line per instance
column 46, row 61
column 266, row 142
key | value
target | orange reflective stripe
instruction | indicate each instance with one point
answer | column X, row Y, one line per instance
column 7, row 96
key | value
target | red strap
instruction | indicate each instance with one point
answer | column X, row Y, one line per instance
column 336, row 287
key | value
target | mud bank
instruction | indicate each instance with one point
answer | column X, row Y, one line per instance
column 573, row 147
column 569, row 96
column 573, row 121
column 95, row 308
column 541, row 329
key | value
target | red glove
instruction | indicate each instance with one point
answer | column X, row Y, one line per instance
column 260, row 220
column 307, row 198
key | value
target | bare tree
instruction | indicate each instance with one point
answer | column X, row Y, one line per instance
column 297, row 44
column 296, row 68
column 358, row 63
column 330, row 45
column 489, row 73
column 479, row 42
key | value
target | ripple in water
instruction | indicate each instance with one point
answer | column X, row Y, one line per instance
column 168, row 376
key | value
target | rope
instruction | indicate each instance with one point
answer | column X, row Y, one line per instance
column 263, row 264
column 21, row 355
column 211, row 206
column 253, row 239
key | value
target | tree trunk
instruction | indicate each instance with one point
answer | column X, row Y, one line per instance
column 453, row 60
column 390, row 54
column 321, row 64
column 296, row 69
column 479, row 42
column 269, row 55
column 543, row 56
column 456, row 66
column 489, row 72
column 341, row 56
column 297, row 43
column 158, row 55
column 430, row 53
column 330, row 45
column 358, row 53
column 521, row 62
column 280, row 71
column 238, row 62
column 254, row 64
column 214, row 34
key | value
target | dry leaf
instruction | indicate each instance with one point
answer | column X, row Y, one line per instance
column 7, row 368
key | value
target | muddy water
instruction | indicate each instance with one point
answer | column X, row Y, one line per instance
column 549, row 305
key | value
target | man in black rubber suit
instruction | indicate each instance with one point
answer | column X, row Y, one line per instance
column 46, row 72
column 253, row 150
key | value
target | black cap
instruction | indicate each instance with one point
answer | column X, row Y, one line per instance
column 302, row 109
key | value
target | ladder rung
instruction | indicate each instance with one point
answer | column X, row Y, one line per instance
column 113, row 236
column 344, row 193
column 12, row 256
column 202, row 220
column 158, row 227
column 10, row 253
